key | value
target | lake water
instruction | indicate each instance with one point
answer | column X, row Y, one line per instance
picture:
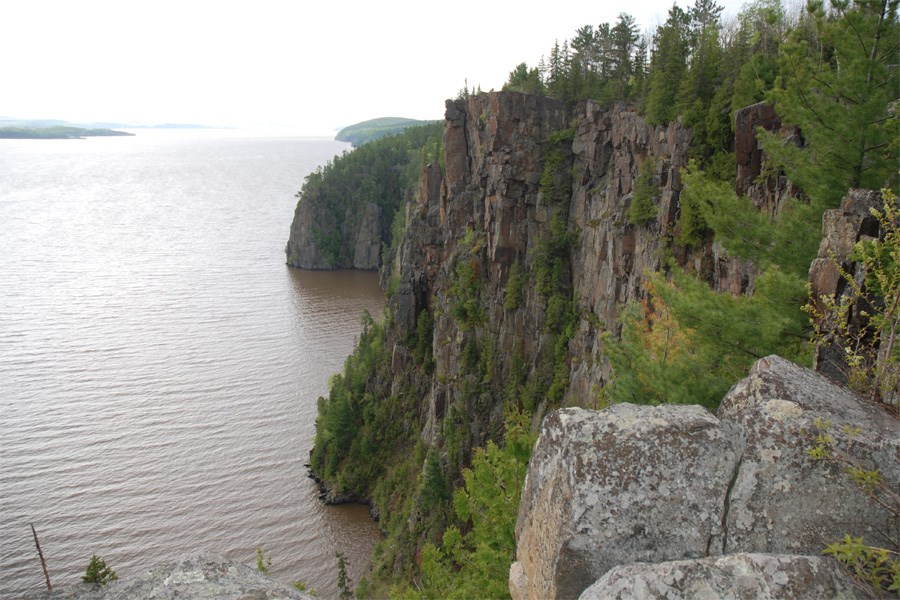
column 159, row 365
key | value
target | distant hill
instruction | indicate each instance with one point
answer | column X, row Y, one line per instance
column 56, row 132
column 373, row 129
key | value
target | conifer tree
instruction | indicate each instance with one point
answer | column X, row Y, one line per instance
column 841, row 89
column 667, row 67
column 624, row 37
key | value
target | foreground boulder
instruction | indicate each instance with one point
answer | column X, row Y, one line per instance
column 782, row 500
column 641, row 484
column 631, row 483
column 200, row 577
column 736, row 576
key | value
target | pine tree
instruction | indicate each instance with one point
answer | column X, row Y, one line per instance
column 624, row 37
column 667, row 67
column 98, row 573
column 840, row 89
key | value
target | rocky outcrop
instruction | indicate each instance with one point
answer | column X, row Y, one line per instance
column 767, row 191
column 628, row 484
column 309, row 246
column 733, row 577
column 367, row 250
column 517, row 254
column 611, row 257
column 492, row 211
column 842, row 228
column 489, row 208
column 200, row 577
column 783, row 501
column 657, row 484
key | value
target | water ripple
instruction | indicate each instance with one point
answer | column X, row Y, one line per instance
column 159, row 366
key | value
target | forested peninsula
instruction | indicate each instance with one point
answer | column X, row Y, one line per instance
column 373, row 129
column 658, row 275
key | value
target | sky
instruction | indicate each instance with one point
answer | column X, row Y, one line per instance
column 308, row 67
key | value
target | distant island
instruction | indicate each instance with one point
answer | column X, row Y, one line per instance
column 58, row 132
column 55, row 129
column 373, row 129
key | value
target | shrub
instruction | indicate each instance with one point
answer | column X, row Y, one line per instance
column 98, row 572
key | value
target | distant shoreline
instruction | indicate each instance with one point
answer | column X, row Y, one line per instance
column 56, row 133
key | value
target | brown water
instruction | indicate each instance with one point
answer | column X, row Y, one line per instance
column 159, row 365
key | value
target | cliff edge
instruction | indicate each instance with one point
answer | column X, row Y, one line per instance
column 730, row 505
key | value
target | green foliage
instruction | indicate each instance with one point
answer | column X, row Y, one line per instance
column 695, row 200
column 551, row 256
column 838, row 85
column 668, row 66
column 263, row 563
column 643, row 209
column 422, row 350
column 353, row 420
column 789, row 240
column 655, row 361
column 435, row 488
column 523, row 79
column 98, row 573
column 465, row 290
column 301, row 586
column 343, row 581
column 556, row 177
column 876, row 568
column 474, row 557
column 689, row 344
column 514, row 284
column 379, row 173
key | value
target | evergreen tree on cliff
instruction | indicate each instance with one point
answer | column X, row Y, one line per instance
column 667, row 67
column 839, row 84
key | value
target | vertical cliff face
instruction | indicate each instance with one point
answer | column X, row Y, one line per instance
column 471, row 226
column 612, row 257
column 521, row 252
column 310, row 244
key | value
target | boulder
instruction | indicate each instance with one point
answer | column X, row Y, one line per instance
column 648, row 484
column 627, row 484
column 782, row 500
column 732, row 577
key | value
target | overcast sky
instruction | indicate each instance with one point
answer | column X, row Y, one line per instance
column 309, row 67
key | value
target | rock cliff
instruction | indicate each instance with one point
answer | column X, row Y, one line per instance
column 517, row 254
column 526, row 225
column 362, row 231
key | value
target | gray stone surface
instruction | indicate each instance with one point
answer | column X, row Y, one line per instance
column 783, row 501
column 367, row 250
column 627, row 484
column 654, row 484
column 732, row 577
column 199, row 577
